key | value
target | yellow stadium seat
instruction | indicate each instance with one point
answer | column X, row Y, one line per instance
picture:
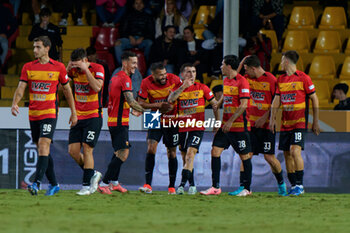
column 272, row 35
column 345, row 70
column 26, row 19
column 322, row 89
column 297, row 40
column 215, row 83
column 347, row 49
column 328, row 42
column 199, row 33
column 333, row 18
column 202, row 15
column 212, row 10
column 302, row 17
column 322, row 67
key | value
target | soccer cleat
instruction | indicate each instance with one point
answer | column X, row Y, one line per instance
column 117, row 187
column 104, row 189
column 291, row 190
column 244, row 193
column 282, row 190
column 94, row 181
column 192, row 190
column 297, row 191
column 84, row 191
column 180, row 190
column 171, row 191
column 211, row 191
column 52, row 190
column 33, row 189
column 234, row 193
column 146, row 189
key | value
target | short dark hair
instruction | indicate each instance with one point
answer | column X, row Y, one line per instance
column 166, row 28
column 189, row 27
column 127, row 54
column 217, row 88
column 342, row 86
column 252, row 61
column 292, row 55
column 45, row 12
column 157, row 66
column 45, row 39
column 90, row 51
column 232, row 60
column 78, row 54
column 183, row 67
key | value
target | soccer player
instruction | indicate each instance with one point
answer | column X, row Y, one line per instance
column 293, row 92
column 262, row 90
column 88, row 80
column 120, row 101
column 156, row 89
column 191, row 97
column 235, row 126
column 43, row 77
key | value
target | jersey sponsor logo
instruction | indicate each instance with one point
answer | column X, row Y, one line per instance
column 81, row 88
column 189, row 103
column 257, row 95
column 228, row 99
column 245, row 90
column 40, row 86
column 287, row 98
column 39, row 97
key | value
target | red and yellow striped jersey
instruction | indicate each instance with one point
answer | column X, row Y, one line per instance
column 157, row 93
column 118, row 108
column 43, row 80
column 234, row 90
column 191, row 105
column 262, row 91
column 294, row 91
column 87, row 101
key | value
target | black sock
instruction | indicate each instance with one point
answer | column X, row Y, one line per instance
column 215, row 169
column 185, row 176
column 279, row 177
column 172, row 165
column 292, row 178
column 241, row 178
column 299, row 177
column 88, row 173
column 41, row 168
column 50, row 172
column 191, row 179
column 113, row 170
column 149, row 168
column 247, row 165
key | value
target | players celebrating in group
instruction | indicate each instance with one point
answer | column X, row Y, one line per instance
column 250, row 105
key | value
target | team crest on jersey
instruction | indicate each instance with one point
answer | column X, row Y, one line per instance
column 196, row 93
column 294, row 85
column 50, row 75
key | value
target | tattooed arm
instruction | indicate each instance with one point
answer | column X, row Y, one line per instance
column 129, row 97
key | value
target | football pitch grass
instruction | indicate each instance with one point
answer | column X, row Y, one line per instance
column 159, row 212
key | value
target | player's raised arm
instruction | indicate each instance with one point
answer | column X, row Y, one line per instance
column 17, row 97
column 274, row 108
column 175, row 95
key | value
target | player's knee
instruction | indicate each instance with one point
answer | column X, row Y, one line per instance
column 87, row 148
column 295, row 151
column 215, row 152
column 269, row 158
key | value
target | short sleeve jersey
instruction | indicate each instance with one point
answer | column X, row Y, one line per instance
column 294, row 92
column 262, row 92
column 118, row 107
column 87, row 101
column 43, row 81
column 157, row 93
column 191, row 105
column 234, row 90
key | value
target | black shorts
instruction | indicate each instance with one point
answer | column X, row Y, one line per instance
column 190, row 139
column 43, row 128
column 120, row 137
column 240, row 141
column 86, row 131
column 293, row 137
column 170, row 136
column 262, row 141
